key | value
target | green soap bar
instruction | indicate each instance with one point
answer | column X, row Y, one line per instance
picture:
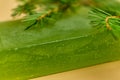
column 68, row 44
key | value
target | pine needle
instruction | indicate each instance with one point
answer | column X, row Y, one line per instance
column 106, row 17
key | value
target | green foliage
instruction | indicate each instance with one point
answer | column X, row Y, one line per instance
column 98, row 16
column 47, row 12
column 26, row 7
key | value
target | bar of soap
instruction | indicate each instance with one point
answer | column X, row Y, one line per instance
column 68, row 44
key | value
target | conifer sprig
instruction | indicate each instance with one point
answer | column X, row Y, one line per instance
column 39, row 11
column 107, row 17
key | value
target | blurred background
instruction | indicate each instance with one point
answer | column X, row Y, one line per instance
column 5, row 9
column 107, row 71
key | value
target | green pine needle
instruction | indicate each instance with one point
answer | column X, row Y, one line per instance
column 107, row 18
column 47, row 10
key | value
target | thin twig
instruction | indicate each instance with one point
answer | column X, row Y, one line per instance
column 107, row 21
column 42, row 17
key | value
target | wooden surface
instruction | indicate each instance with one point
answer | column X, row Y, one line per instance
column 6, row 7
column 107, row 71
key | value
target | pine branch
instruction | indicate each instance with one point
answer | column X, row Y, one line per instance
column 47, row 9
column 106, row 17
